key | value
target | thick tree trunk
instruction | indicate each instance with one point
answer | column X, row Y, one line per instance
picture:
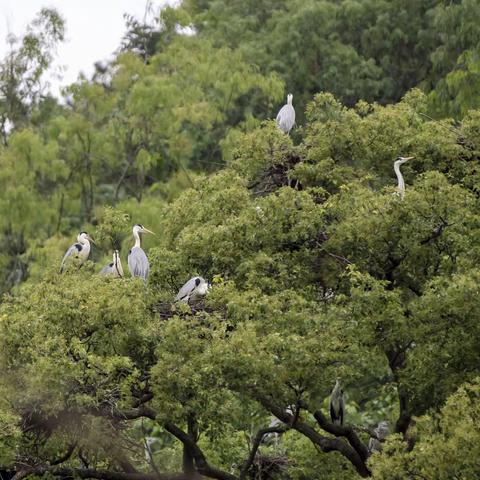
column 188, row 460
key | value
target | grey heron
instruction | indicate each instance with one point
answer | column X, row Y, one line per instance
column 137, row 260
column 337, row 404
column 286, row 116
column 196, row 287
column 401, row 183
column 381, row 432
column 114, row 268
column 80, row 250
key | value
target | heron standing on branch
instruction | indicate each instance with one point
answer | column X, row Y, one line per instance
column 114, row 268
column 80, row 250
column 286, row 115
column 137, row 260
column 196, row 287
column 401, row 183
column 337, row 404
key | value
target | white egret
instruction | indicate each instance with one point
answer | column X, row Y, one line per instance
column 401, row 183
column 381, row 432
column 137, row 260
column 196, row 287
column 286, row 115
column 80, row 250
column 114, row 268
column 337, row 404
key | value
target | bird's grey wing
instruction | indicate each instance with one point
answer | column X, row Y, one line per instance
column 186, row 290
column 72, row 251
column 138, row 263
column 286, row 118
column 107, row 269
column 280, row 116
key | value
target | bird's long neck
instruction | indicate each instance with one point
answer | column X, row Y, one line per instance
column 137, row 238
column 337, row 389
column 117, row 264
column 401, row 183
column 289, row 100
column 86, row 248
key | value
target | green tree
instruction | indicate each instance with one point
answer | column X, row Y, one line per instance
column 22, row 69
column 318, row 272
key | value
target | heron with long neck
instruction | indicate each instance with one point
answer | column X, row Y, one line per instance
column 137, row 260
column 401, row 183
column 337, row 404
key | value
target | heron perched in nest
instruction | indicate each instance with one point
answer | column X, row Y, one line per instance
column 114, row 268
column 80, row 249
column 195, row 288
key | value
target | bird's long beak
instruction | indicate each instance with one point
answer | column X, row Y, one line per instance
column 408, row 158
column 146, row 230
column 90, row 239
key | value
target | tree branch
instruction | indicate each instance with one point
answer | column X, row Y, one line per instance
column 256, row 445
column 346, row 431
column 326, row 444
column 201, row 463
column 66, row 456
column 70, row 473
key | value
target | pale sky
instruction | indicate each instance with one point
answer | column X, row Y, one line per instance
column 94, row 29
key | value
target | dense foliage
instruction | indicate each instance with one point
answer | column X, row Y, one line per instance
column 319, row 270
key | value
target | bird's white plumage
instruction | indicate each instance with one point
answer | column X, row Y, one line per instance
column 195, row 287
column 286, row 116
column 80, row 249
column 114, row 268
column 401, row 183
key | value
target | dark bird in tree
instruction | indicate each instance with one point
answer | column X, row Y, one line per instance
column 337, row 404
